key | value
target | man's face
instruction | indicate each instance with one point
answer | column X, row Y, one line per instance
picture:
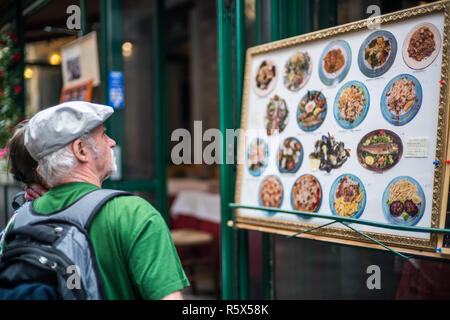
column 105, row 162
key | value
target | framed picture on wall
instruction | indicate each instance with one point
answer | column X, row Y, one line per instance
column 351, row 122
column 80, row 91
column 80, row 61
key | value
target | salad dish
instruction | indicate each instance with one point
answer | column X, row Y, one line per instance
column 297, row 71
column 290, row 155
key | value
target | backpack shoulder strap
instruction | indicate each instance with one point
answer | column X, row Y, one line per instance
column 82, row 212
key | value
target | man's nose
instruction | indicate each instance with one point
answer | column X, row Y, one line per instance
column 112, row 143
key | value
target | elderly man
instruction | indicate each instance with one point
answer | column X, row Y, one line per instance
column 134, row 251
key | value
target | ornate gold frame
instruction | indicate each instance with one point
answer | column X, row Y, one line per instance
column 441, row 172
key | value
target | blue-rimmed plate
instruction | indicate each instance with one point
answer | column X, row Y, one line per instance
column 257, row 156
column 311, row 110
column 335, row 62
column 351, row 104
column 391, row 108
column 349, row 184
column 397, row 213
column 270, row 193
column 290, row 155
column 377, row 53
column 306, row 194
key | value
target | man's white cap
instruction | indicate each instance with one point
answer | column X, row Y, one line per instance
column 53, row 128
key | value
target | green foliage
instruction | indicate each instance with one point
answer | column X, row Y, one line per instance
column 10, row 85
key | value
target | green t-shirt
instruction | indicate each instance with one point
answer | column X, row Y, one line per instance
column 132, row 243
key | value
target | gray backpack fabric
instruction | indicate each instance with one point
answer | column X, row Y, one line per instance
column 55, row 249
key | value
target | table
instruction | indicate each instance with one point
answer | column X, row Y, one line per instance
column 197, row 210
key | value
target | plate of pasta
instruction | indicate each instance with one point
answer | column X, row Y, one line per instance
column 403, row 201
column 377, row 53
column 347, row 196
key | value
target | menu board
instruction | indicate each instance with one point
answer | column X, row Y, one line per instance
column 352, row 122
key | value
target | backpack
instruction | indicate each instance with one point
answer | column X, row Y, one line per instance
column 51, row 256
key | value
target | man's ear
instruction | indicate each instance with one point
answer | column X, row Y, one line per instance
column 80, row 151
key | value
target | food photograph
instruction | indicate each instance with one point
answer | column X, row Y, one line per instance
column 311, row 111
column 270, row 192
column 335, row 62
column 266, row 78
column 379, row 150
column 421, row 46
column 306, row 194
column 257, row 157
column 347, row 196
column 328, row 154
column 403, row 201
column 351, row 104
column 290, row 155
column 377, row 53
column 401, row 99
column 276, row 115
column 297, row 71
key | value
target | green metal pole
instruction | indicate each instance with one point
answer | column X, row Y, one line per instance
column 240, row 68
column 227, row 171
column 292, row 9
column 298, row 16
column 160, row 105
column 278, row 18
column 274, row 19
column 283, row 18
column 84, row 17
column 104, row 53
column 111, row 60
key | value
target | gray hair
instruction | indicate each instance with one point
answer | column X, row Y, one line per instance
column 59, row 164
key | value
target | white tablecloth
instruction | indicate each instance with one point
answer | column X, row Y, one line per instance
column 197, row 204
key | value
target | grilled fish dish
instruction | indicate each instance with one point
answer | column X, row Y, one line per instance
column 379, row 150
